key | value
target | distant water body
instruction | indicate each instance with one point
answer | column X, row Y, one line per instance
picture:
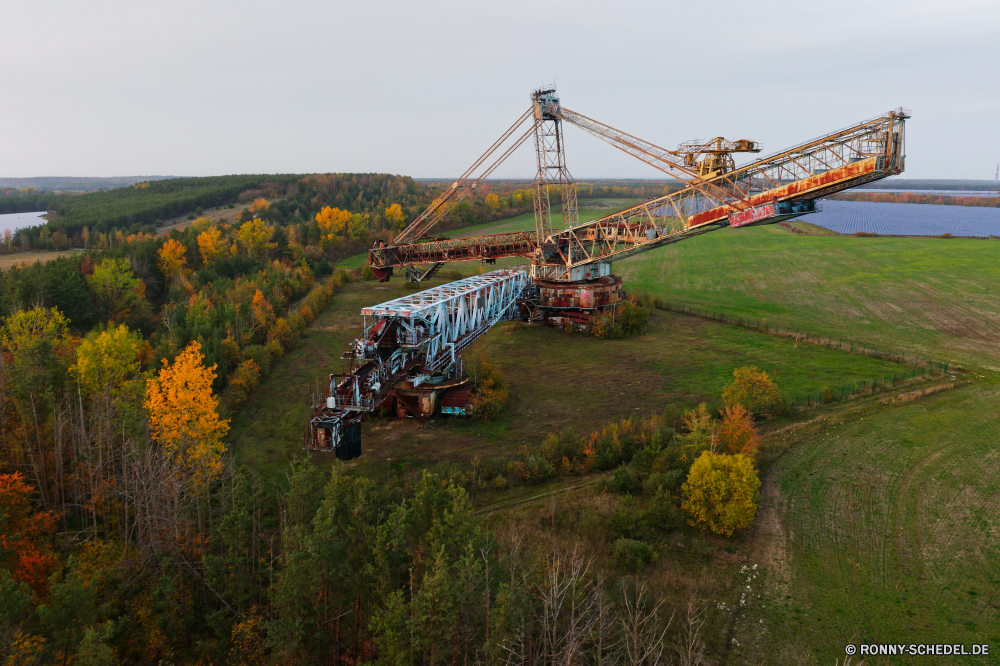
column 15, row 221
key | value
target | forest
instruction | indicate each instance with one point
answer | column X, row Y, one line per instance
column 128, row 534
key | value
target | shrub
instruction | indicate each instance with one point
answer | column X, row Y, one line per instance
column 700, row 428
column 623, row 320
column 490, row 396
column 624, row 483
column 307, row 314
column 668, row 481
column 297, row 322
column 721, row 492
column 663, row 514
column 625, row 523
column 825, row 394
column 632, row 554
column 367, row 273
column 274, row 351
column 283, row 333
column 258, row 354
column 243, row 382
column 752, row 388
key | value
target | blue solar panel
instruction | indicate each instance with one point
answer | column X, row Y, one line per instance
column 899, row 219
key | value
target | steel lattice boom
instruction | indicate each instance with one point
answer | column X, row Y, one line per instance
column 777, row 187
column 413, row 344
column 410, row 347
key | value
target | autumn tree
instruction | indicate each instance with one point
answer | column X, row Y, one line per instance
column 117, row 287
column 493, row 201
column 184, row 417
column 253, row 238
column 211, row 245
column 720, row 493
column 171, row 259
column 40, row 349
column 752, row 388
column 395, row 216
column 259, row 204
column 736, row 433
column 700, row 427
column 110, row 362
column 491, row 392
column 263, row 312
column 23, row 535
column 333, row 224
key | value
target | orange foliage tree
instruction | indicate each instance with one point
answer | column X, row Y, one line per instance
column 752, row 388
column 721, row 492
column 184, row 417
column 210, row 245
column 259, row 205
column 263, row 312
column 736, row 432
column 22, row 535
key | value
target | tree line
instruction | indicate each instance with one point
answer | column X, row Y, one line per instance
column 915, row 198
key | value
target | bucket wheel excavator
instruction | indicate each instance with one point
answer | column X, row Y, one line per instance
column 409, row 354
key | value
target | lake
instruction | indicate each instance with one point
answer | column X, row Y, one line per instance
column 14, row 221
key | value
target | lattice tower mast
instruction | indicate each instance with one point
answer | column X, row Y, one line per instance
column 550, row 151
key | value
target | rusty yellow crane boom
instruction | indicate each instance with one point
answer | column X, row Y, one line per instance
column 767, row 190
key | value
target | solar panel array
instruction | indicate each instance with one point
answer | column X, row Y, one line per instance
column 899, row 219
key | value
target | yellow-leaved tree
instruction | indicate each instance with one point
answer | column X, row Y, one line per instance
column 184, row 416
column 254, row 238
column 110, row 361
column 333, row 224
column 210, row 245
column 394, row 215
column 117, row 287
column 171, row 259
column 752, row 388
column 721, row 492
column 40, row 349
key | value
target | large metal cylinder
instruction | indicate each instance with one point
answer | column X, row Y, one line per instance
column 589, row 295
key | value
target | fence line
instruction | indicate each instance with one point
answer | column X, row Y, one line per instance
column 863, row 387
column 922, row 366
column 806, row 336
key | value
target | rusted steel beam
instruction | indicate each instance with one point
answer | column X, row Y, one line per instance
column 495, row 246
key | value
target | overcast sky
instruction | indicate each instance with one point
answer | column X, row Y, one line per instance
column 422, row 88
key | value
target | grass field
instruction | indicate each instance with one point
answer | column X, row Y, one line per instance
column 883, row 527
column 28, row 258
column 934, row 297
column 558, row 381
column 879, row 519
